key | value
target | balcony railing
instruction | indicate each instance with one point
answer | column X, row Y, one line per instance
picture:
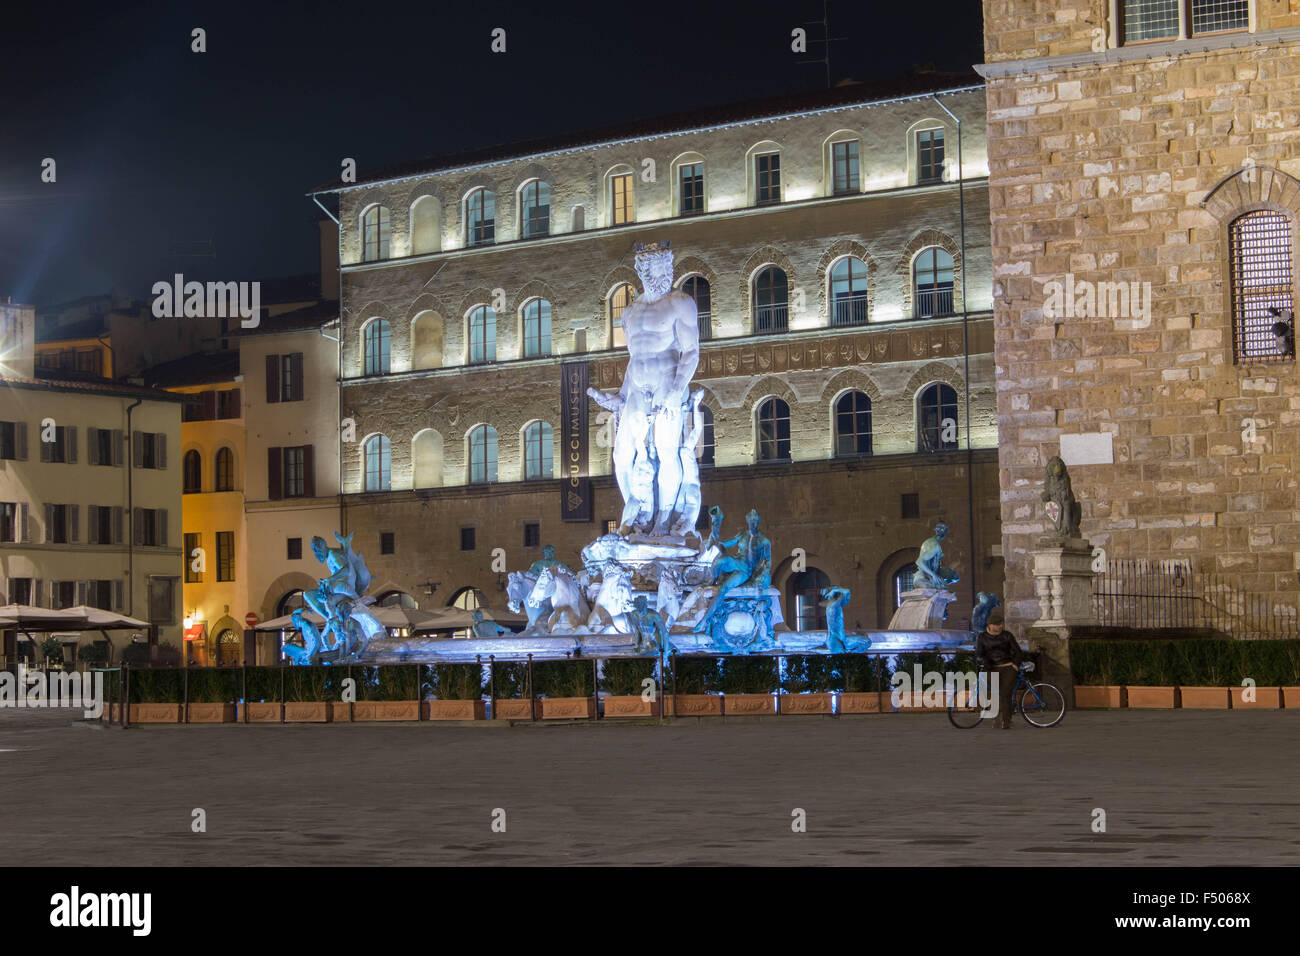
column 706, row 326
column 850, row 310
column 771, row 318
column 934, row 301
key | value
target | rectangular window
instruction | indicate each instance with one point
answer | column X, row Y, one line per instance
column 103, row 445
column 911, row 505
column 1150, row 20
column 290, row 372
column 8, row 441
column 532, row 534
column 100, row 594
column 228, row 403
column 611, row 526
column 293, row 472
column 1263, row 316
column 621, row 199
column 149, row 449
column 929, row 156
column 844, row 162
column 63, row 594
column 150, row 526
column 20, row 591
column 192, row 544
column 8, row 521
column 1179, row 19
column 767, row 178
column 63, row 448
column 57, row 528
column 101, row 525
column 467, row 539
column 692, row 183
column 294, row 549
column 387, row 542
column 225, row 555
column 162, row 600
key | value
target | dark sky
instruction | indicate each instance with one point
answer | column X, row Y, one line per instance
column 162, row 153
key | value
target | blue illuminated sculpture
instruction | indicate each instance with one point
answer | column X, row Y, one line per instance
column 983, row 604
column 339, row 599
column 836, row 600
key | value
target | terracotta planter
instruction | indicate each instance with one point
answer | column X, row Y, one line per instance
column 806, row 703
column 262, row 713
column 693, row 705
column 211, row 714
column 513, row 708
column 455, row 710
column 632, row 706
column 749, row 705
column 1204, row 698
column 155, row 713
column 1100, row 695
column 568, row 708
column 915, row 702
column 1151, row 698
column 386, row 710
column 1290, row 697
column 862, row 702
column 340, row 712
column 1266, row 698
column 306, row 712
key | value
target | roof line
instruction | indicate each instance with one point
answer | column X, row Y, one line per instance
column 637, row 139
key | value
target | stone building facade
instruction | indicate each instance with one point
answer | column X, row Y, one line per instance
column 1160, row 151
column 419, row 284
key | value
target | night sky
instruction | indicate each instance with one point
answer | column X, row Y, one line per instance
column 166, row 157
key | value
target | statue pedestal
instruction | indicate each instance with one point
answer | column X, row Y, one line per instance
column 747, row 619
column 923, row 609
column 1063, row 581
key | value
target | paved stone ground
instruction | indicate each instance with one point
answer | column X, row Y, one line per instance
column 1178, row 788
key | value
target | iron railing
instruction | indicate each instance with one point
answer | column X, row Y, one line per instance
column 933, row 302
column 1170, row 595
column 850, row 310
column 771, row 318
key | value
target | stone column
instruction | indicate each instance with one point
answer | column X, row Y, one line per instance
column 1063, row 583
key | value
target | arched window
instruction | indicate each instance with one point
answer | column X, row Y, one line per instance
column 378, row 463
column 853, row 424
column 467, row 599
column 902, row 583
column 936, row 418
column 426, row 227
column 480, row 218
column 707, row 444
column 932, row 283
column 537, row 328
column 849, row 292
column 396, row 599
column 225, row 470
column 374, row 234
column 805, row 589
column 771, row 301
column 538, row 457
column 483, row 455
column 619, row 299
column 1263, row 329
column 697, row 287
column 377, row 347
column 482, row 335
column 774, row 430
column 289, row 603
column 192, row 472
column 535, row 206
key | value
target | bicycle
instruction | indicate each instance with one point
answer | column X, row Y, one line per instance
column 1041, row 704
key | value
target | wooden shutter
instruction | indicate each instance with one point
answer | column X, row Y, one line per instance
column 24, row 522
column 117, row 595
column 274, row 473
column 117, row 446
column 295, row 366
column 309, row 470
column 83, row 592
column 273, row 378
column 70, row 437
column 236, row 403
column 20, row 440
column 137, row 449
column 37, row 587
column 160, row 450
column 49, row 523
column 74, row 512
column 137, row 525
column 92, row 445
column 92, row 524
column 160, row 526
column 117, row 525
column 208, row 405
column 47, row 447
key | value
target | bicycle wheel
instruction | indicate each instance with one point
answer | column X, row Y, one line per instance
column 1042, row 705
column 966, row 714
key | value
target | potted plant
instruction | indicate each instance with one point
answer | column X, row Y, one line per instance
column 1203, row 672
column 1148, row 680
column 1092, row 664
column 915, row 699
column 807, row 685
column 510, row 692
column 566, row 688
column 1269, row 666
column 862, row 678
column 155, row 696
column 210, row 695
column 52, row 652
column 623, row 681
column 457, row 692
column 749, row 686
column 694, row 683
column 389, row 692
column 307, row 694
column 262, row 695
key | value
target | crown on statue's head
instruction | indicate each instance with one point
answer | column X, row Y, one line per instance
column 643, row 250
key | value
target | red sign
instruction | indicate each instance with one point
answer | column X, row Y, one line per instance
column 251, row 620
column 194, row 632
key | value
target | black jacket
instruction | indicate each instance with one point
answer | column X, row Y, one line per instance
column 995, row 649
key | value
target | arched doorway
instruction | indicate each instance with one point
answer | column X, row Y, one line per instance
column 803, row 597
column 229, row 648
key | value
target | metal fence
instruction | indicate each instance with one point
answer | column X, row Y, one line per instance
column 1172, row 595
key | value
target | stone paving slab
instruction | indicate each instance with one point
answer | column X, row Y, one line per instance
column 1178, row 788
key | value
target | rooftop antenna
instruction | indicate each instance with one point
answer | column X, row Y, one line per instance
column 825, row 22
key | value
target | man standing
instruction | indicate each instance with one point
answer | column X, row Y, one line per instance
column 999, row 653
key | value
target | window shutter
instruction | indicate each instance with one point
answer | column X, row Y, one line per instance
column 117, row 446
column 274, row 470
column 70, row 435
column 137, row 449
column 208, row 405
column 74, row 512
column 92, row 523
column 236, row 406
column 137, row 525
column 20, row 440
column 117, row 595
column 83, row 592
column 37, row 587
column 49, row 523
column 47, row 447
column 161, row 520
column 117, row 525
column 295, row 363
column 160, row 450
column 309, row 470
column 92, row 445
column 273, row 378
column 24, row 522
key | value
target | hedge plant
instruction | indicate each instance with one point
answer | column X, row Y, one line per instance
column 695, row 675
column 624, row 676
column 156, row 686
column 455, row 681
column 509, row 679
column 205, row 685
column 562, row 678
column 749, row 675
column 1199, row 662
